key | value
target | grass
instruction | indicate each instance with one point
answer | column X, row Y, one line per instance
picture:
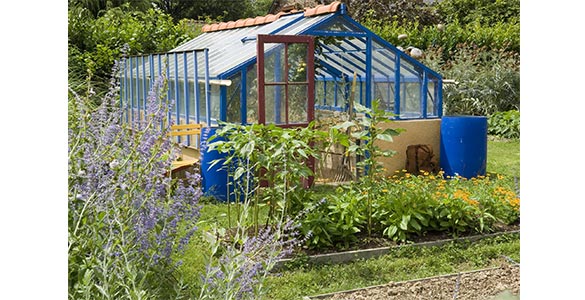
column 402, row 264
column 503, row 157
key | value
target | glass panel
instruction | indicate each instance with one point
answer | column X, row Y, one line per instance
column 297, row 62
column 385, row 92
column 410, row 107
column 339, row 24
column 214, row 103
column 252, row 95
column 202, row 116
column 320, row 92
column 274, row 104
column 274, row 63
column 432, row 109
column 192, row 101
column 297, row 104
column 172, row 96
column 408, row 71
column 330, row 93
column 233, row 100
column 181, row 98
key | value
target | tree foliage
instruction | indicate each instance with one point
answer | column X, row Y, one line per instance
column 95, row 43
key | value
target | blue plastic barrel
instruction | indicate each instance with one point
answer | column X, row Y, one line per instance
column 215, row 178
column 464, row 146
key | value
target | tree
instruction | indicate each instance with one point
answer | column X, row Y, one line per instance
column 213, row 9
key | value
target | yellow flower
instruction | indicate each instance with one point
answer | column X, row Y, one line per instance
column 384, row 191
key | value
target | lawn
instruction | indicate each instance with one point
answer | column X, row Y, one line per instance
column 503, row 157
column 401, row 264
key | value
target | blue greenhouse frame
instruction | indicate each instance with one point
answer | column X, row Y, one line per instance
column 213, row 76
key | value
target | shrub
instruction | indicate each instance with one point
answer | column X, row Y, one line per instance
column 486, row 81
column 499, row 36
column 486, row 12
column 94, row 43
column 505, row 124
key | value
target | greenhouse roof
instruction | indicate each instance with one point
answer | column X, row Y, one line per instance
column 343, row 43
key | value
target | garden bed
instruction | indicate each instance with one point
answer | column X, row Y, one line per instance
column 377, row 247
column 493, row 283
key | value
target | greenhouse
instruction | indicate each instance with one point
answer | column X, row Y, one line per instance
column 282, row 68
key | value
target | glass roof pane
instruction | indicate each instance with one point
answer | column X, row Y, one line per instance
column 409, row 72
column 339, row 24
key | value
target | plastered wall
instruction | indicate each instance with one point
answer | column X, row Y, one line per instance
column 426, row 131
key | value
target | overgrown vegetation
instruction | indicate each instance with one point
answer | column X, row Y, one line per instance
column 486, row 81
column 95, row 43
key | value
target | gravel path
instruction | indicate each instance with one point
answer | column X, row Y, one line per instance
column 503, row 282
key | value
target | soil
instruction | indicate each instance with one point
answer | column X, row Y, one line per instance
column 497, row 283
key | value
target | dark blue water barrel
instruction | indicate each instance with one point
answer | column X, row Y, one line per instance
column 214, row 178
column 464, row 145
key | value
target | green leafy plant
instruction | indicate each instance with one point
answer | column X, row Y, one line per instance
column 279, row 157
column 95, row 42
column 404, row 207
column 347, row 214
column 505, row 124
column 364, row 133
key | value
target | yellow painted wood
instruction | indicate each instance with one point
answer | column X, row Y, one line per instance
column 186, row 126
column 185, row 129
column 181, row 163
column 185, row 132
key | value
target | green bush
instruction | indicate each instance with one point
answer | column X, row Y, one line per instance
column 94, row 43
column 405, row 206
column 505, row 124
column 486, row 81
column 503, row 36
column 487, row 12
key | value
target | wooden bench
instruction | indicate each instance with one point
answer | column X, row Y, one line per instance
column 184, row 130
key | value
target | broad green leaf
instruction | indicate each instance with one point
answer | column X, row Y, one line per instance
column 239, row 171
column 391, row 230
column 405, row 221
column 415, row 224
column 359, row 134
column 344, row 125
column 385, row 137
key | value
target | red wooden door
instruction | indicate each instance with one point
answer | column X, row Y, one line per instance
column 286, row 82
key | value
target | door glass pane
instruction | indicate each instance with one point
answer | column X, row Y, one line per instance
column 297, row 62
column 274, row 108
column 274, row 63
column 297, row 104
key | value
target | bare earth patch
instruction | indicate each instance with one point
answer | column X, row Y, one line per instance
column 502, row 282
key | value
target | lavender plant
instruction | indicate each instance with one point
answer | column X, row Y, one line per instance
column 246, row 260
column 127, row 217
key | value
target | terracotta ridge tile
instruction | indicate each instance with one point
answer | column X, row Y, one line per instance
column 322, row 9
column 260, row 20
